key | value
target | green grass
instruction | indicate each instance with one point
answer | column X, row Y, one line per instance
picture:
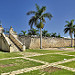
column 69, row 64
column 8, row 55
column 39, row 72
column 69, row 47
column 15, row 64
column 52, row 57
column 70, row 53
column 44, row 51
column 19, row 63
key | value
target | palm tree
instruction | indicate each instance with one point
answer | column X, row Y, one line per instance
column 44, row 33
column 59, row 36
column 39, row 19
column 33, row 32
column 53, row 34
column 23, row 32
column 48, row 35
column 74, row 34
column 69, row 28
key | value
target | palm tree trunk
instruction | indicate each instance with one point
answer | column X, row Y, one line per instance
column 40, row 38
column 71, row 39
column 74, row 39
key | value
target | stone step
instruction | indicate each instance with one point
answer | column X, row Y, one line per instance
column 14, row 48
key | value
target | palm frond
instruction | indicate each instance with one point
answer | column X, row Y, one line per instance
column 72, row 20
column 32, row 21
column 67, row 22
column 73, row 25
column 67, row 25
column 37, row 7
column 41, row 10
column 66, row 30
column 70, row 24
column 47, row 15
column 31, row 12
column 43, row 19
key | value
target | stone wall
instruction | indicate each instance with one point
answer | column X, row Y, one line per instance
column 34, row 42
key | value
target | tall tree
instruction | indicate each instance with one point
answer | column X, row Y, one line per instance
column 33, row 32
column 74, row 34
column 39, row 19
column 69, row 28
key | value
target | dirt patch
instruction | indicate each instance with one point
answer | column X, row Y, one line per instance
column 7, row 65
column 50, row 69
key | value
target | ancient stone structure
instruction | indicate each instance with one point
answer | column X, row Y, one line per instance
column 10, row 43
column 14, row 43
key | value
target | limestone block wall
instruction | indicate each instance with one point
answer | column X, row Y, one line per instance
column 34, row 42
column 25, row 40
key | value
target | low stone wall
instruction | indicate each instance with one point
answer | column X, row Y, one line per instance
column 34, row 42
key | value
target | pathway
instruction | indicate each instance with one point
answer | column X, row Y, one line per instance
column 46, row 64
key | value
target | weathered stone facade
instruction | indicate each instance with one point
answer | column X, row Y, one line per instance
column 34, row 42
column 10, row 43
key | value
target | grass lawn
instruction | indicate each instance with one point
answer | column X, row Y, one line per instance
column 8, row 55
column 69, row 47
column 41, row 72
column 44, row 51
column 70, row 53
column 69, row 64
column 52, row 57
column 19, row 63
column 15, row 64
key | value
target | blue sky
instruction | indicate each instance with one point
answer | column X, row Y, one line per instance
column 13, row 13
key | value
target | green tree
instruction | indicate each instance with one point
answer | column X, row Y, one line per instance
column 74, row 34
column 48, row 34
column 39, row 19
column 23, row 32
column 53, row 35
column 69, row 28
column 33, row 32
column 44, row 33
column 59, row 36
